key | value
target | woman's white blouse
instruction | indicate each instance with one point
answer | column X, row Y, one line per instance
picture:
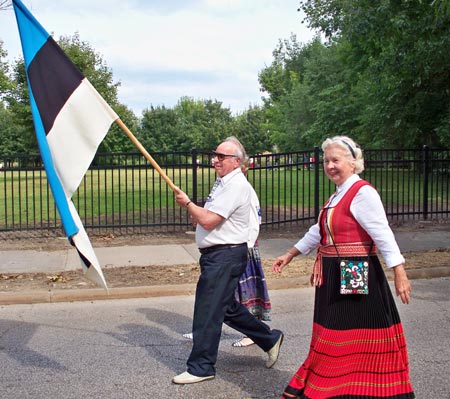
column 369, row 212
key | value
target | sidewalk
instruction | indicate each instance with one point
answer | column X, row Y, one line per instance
column 31, row 261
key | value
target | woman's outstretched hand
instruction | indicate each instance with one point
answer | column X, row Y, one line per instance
column 282, row 261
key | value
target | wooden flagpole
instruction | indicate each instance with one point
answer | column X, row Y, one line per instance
column 141, row 148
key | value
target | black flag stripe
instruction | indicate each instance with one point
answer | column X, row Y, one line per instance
column 53, row 78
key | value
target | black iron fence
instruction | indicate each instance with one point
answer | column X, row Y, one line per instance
column 122, row 193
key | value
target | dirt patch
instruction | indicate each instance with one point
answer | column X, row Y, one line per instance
column 48, row 242
column 178, row 274
column 136, row 276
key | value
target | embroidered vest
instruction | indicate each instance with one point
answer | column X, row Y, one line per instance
column 340, row 221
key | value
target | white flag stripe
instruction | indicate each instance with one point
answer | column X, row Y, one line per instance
column 83, row 244
column 78, row 130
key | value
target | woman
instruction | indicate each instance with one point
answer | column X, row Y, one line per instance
column 252, row 288
column 358, row 348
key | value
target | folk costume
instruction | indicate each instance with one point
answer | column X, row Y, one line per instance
column 358, row 348
column 252, row 289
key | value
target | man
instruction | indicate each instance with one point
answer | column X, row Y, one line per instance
column 221, row 235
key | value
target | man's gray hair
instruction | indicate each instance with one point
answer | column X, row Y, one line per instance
column 240, row 150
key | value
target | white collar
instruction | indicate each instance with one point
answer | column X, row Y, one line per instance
column 347, row 184
column 229, row 176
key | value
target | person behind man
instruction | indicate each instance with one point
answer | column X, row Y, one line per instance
column 221, row 236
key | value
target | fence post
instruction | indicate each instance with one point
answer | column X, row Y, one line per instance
column 316, row 183
column 426, row 171
column 194, row 166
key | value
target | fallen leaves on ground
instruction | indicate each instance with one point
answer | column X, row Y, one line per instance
column 135, row 276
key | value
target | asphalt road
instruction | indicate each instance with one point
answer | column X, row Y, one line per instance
column 132, row 348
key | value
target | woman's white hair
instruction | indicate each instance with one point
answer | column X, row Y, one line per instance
column 352, row 149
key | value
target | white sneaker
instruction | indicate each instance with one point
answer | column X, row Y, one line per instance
column 274, row 352
column 188, row 378
column 188, row 336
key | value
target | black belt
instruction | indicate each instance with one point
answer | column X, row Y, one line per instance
column 214, row 248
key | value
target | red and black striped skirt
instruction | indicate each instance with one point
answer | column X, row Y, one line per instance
column 358, row 348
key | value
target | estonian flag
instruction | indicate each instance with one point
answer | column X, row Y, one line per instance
column 70, row 118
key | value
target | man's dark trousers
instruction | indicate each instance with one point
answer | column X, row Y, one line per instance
column 215, row 304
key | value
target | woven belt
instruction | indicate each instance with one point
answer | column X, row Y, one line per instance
column 214, row 248
column 349, row 249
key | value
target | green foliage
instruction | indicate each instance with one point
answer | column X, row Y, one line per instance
column 158, row 124
column 18, row 104
column 5, row 82
column 402, row 83
column 305, row 72
column 382, row 77
column 116, row 140
column 253, row 130
column 200, row 124
column 204, row 123
column 11, row 135
column 11, row 132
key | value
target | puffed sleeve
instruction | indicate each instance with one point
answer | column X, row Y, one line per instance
column 309, row 241
column 368, row 210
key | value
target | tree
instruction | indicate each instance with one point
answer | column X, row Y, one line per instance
column 11, row 135
column 116, row 140
column 199, row 124
column 159, row 129
column 18, row 105
column 286, row 69
column 5, row 81
column 215, row 124
column 5, row 4
column 253, row 130
column 202, row 123
column 396, row 53
column 407, row 82
column 294, row 81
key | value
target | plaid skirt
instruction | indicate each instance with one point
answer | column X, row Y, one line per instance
column 252, row 288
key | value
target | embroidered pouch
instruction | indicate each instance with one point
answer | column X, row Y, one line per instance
column 354, row 277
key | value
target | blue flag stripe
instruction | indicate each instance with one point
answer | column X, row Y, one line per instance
column 59, row 195
column 29, row 27
column 33, row 38
column 53, row 78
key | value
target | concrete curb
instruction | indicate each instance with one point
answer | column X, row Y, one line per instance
column 95, row 294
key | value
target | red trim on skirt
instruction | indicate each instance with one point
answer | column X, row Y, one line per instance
column 363, row 363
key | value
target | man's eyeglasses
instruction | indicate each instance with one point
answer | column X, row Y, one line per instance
column 221, row 156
